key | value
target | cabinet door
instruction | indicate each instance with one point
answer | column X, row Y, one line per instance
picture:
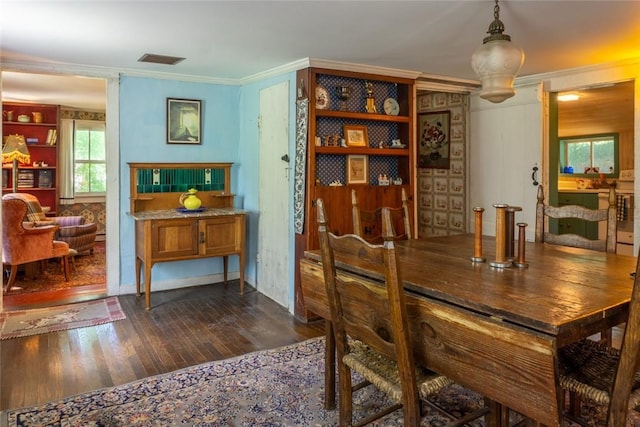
column 221, row 235
column 174, row 239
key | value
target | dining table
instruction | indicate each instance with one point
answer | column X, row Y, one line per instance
column 493, row 330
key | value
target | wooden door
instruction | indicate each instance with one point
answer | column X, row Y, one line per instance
column 273, row 228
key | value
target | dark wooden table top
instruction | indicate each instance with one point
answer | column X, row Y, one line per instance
column 565, row 292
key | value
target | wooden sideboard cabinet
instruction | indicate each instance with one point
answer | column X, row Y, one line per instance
column 165, row 232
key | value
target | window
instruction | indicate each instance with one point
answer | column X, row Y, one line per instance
column 89, row 158
column 590, row 154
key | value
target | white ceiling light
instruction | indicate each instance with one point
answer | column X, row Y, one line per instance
column 568, row 97
column 497, row 62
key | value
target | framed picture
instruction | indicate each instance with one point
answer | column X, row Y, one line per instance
column 434, row 139
column 357, row 169
column 356, row 136
column 184, row 121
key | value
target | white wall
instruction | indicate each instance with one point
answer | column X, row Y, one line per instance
column 506, row 140
column 505, row 143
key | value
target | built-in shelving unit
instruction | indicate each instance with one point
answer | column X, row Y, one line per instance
column 327, row 157
column 42, row 138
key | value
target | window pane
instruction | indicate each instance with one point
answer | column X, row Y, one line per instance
column 98, row 178
column 603, row 155
column 97, row 146
column 81, row 145
column 81, row 178
column 579, row 155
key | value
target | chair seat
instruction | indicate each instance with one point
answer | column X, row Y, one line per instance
column 383, row 372
column 588, row 367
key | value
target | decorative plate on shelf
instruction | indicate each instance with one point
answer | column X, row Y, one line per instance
column 391, row 107
column 322, row 98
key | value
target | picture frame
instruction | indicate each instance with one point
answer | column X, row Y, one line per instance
column 356, row 136
column 434, row 140
column 357, row 169
column 184, row 121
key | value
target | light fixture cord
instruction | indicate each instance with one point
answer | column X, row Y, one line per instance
column 496, row 28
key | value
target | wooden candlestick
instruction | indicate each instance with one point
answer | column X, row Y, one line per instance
column 510, row 231
column 520, row 262
column 477, row 247
column 500, row 261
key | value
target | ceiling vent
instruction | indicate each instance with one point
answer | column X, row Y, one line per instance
column 160, row 59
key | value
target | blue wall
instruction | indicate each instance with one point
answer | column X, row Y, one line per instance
column 230, row 134
column 143, row 139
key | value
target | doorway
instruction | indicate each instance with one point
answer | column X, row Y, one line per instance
column 592, row 117
column 78, row 97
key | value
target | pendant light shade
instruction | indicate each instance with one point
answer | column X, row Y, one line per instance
column 497, row 62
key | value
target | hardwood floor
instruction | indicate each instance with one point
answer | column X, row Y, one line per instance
column 184, row 328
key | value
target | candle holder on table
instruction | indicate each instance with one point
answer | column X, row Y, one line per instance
column 500, row 261
column 520, row 261
column 477, row 247
column 510, row 231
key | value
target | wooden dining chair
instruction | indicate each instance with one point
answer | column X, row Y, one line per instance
column 608, row 376
column 368, row 223
column 371, row 326
column 608, row 215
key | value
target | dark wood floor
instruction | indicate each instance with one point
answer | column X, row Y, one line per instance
column 184, row 328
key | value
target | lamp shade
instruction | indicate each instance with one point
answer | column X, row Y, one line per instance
column 15, row 148
column 497, row 62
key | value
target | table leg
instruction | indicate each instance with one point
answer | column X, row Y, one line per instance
column 225, row 264
column 241, row 261
column 138, row 268
column 329, row 367
column 147, row 285
column 497, row 414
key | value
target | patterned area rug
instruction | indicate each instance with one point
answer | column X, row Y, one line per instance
column 87, row 269
column 280, row 387
column 14, row 324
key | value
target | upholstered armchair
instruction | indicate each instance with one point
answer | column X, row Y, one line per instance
column 22, row 245
column 73, row 230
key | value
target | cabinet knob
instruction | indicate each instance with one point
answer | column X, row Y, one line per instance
column 202, row 237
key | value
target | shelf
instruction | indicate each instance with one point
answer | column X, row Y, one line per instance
column 31, row 188
column 363, row 150
column 361, row 116
column 31, row 167
column 42, row 181
column 29, row 124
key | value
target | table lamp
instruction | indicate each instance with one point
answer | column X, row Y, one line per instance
column 15, row 150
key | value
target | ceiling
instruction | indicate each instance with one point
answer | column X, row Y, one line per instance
column 235, row 40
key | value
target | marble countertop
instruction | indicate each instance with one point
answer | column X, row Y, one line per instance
column 582, row 190
column 180, row 213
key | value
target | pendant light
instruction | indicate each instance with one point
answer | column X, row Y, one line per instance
column 497, row 62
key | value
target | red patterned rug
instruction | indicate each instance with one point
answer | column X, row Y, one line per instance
column 21, row 323
column 87, row 269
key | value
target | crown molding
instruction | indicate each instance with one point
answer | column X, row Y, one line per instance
column 60, row 68
column 363, row 68
column 570, row 72
column 434, row 82
column 42, row 67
